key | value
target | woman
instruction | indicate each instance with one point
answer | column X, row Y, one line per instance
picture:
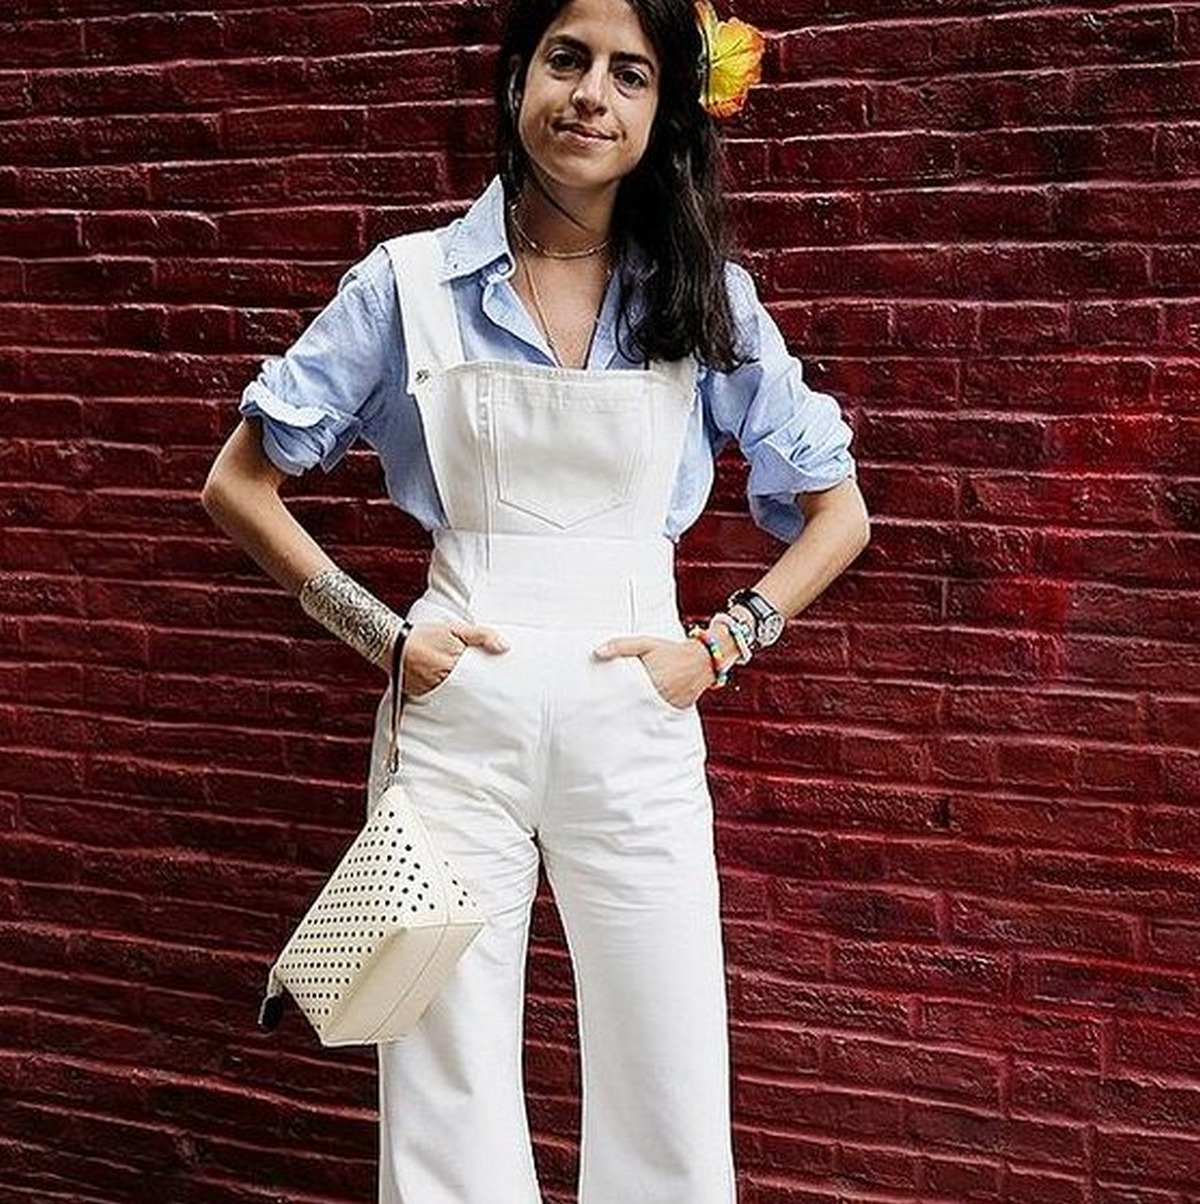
column 546, row 381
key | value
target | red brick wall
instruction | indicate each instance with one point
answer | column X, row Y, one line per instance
column 957, row 811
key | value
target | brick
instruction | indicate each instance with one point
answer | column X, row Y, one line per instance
column 123, row 232
column 355, row 178
column 40, row 43
column 776, row 852
column 1176, row 387
column 941, row 1127
column 334, row 30
column 968, row 102
column 1110, row 1193
column 1067, row 152
column 1156, row 1046
column 767, row 1048
column 1075, row 500
column 797, row 106
column 964, row 442
column 1033, row 823
column 1163, row 1160
column 1135, row 559
column 1000, row 924
column 853, row 272
column 904, row 492
column 1061, row 387
column 937, row 1072
column 1161, row 91
column 845, row 911
column 959, row 1180
column 895, row 967
column 866, row 158
column 896, row 704
column 1130, row 989
column 759, row 948
column 1038, row 1187
column 788, row 220
column 845, row 1113
column 295, row 231
column 894, row 382
column 1053, row 1035
column 818, row 1005
column 38, row 234
column 1168, row 665
column 1118, row 882
column 962, row 213
column 1174, row 941
column 149, row 137
column 866, row 1168
column 1095, row 211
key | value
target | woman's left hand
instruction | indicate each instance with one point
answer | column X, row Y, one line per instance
column 680, row 670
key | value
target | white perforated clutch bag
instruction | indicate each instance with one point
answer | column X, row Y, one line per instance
column 383, row 935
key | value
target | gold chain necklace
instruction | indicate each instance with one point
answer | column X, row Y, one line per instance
column 538, row 249
column 537, row 305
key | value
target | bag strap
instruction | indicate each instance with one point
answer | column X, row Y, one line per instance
column 393, row 753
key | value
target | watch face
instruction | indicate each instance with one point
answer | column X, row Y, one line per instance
column 770, row 629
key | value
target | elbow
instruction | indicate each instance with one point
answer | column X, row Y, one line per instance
column 864, row 530
column 862, row 525
column 213, row 495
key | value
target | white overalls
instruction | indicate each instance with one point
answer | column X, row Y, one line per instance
column 556, row 485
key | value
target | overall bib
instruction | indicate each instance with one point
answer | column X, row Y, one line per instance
column 556, row 485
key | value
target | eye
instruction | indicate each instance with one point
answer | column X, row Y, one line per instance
column 632, row 79
column 562, row 59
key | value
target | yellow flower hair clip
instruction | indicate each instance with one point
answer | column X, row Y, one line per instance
column 733, row 54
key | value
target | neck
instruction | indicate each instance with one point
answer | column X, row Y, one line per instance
column 564, row 220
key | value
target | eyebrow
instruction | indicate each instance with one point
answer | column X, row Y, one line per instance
column 622, row 56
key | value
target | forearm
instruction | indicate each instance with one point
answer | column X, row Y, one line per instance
column 241, row 496
column 836, row 529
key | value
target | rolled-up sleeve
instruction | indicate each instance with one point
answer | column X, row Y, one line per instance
column 313, row 400
column 794, row 439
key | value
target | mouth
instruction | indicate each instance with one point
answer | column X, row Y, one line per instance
column 584, row 131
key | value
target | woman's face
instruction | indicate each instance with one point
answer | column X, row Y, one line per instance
column 590, row 96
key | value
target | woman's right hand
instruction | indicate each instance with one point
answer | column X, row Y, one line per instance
column 432, row 650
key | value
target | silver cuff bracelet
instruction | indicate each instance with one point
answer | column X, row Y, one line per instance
column 352, row 613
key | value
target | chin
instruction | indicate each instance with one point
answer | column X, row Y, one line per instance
column 578, row 174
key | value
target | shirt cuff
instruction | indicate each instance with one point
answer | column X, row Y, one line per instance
column 295, row 437
column 775, row 480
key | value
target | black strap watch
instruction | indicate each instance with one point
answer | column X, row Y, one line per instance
column 768, row 622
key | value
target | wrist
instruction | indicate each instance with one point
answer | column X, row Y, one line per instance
column 720, row 663
column 351, row 612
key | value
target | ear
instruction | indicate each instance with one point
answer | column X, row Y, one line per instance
column 514, row 91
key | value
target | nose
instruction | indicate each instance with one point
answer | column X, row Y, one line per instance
column 589, row 94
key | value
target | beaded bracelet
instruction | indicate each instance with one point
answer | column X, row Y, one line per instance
column 720, row 667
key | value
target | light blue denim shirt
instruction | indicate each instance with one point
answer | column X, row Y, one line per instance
column 345, row 378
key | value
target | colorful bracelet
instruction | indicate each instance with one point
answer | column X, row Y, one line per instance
column 740, row 633
column 720, row 667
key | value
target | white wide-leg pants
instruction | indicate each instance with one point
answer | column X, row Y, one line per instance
column 544, row 749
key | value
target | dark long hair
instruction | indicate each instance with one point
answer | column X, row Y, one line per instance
column 670, row 204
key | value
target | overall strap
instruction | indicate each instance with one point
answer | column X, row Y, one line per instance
column 427, row 316
column 682, row 373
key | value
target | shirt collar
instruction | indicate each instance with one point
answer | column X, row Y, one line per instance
column 479, row 238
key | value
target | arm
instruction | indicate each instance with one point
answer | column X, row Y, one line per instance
column 801, row 488
column 305, row 408
column 836, row 529
column 241, row 495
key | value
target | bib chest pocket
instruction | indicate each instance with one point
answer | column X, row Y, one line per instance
column 565, row 455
